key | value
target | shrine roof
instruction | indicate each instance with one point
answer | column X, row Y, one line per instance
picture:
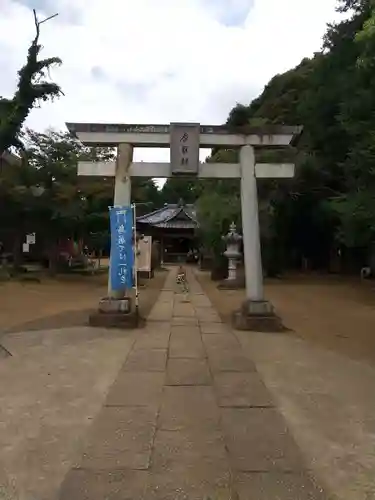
column 171, row 216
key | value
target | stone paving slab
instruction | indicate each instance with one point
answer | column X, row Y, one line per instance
column 241, row 390
column 162, row 311
column 220, row 342
column 126, row 484
column 201, row 301
column 186, row 330
column 213, row 328
column 165, row 296
column 184, row 371
column 186, row 346
column 205, row 311
column 191, row 483
column 208, row 317
column 156, row 339
column 160, row 316
column 136, row 389
column 259, row 441
column 277, row 486
column 182, row 310
column 146, row 360
column 187, row 447
column 230, row 360
column 187, row 483
column 184, row 407
column 195, row 482
column 153, row 327
column 180, row 321
column 202, row 305
column 121, row 438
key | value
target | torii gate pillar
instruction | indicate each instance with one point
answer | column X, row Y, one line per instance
column 250, row 225
column 256, row 313
column 122, row 194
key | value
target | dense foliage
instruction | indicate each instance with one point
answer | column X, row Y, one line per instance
column 46, row 196
column 32, row 88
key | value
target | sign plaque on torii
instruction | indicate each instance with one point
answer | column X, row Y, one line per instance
column 184, row 141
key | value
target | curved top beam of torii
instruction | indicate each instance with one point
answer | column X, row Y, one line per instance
column 159, row 135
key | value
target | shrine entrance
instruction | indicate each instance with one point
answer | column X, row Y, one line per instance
column 184, row 141
column 175, row 249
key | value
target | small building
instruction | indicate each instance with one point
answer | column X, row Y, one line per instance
column 8, row 160
column 174, row 228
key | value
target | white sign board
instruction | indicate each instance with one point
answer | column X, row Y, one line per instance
column 25, row 248
column 144, row 257
column 30, row 239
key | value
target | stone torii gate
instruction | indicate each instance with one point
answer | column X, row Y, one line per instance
column 184, row 141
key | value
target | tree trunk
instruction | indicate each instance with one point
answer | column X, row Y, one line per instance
column 52, row 258
column 17, row 250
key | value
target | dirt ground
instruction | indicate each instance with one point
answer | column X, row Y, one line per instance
column 333, row 312
column 60, row 303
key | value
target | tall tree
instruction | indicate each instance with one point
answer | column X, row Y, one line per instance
column 32, row 87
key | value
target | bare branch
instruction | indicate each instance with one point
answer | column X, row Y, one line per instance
column 35, row 18
column 38, row 23
column 36, row 26
column 48, row 18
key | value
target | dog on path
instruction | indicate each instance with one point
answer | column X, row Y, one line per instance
column 181, row 279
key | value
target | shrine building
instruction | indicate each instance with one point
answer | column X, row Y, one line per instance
column 174, row 227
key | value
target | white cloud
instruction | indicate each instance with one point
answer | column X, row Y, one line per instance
column 150, row 61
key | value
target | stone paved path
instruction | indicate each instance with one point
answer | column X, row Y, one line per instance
column 189, row 417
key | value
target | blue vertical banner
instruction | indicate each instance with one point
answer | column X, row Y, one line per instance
column 122, row 255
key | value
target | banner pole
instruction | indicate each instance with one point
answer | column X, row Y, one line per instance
column 135, row 261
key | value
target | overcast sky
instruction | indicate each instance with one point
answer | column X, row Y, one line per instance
column 157, row 61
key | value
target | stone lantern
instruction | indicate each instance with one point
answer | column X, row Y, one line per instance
column 233, row 241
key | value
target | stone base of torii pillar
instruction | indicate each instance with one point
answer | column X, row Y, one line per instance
column 258, row 316
column 116, row 313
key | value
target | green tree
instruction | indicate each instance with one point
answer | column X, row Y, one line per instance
column 329, row 202
column 32, row 87
column 178, row 189
column 145, row 195
column 217, row 207
column 46, row 196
